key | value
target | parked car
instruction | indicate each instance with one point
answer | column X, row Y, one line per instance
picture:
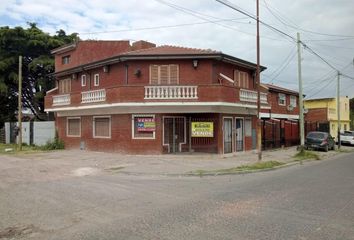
column 319, row 140
column 347, row 137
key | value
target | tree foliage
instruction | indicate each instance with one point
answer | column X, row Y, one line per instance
column 35, row 46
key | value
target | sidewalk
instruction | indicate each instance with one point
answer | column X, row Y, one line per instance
column 78, row 163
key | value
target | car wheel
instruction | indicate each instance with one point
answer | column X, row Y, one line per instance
column 326, row 148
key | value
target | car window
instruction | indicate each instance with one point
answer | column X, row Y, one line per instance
column 318, row 135
column 348, row 133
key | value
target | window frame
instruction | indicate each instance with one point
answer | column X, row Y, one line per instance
column 159, row 74
column 280, row 98
column 133, row 126
column 67, row 126
column 293, row 101
column 247, row 119
column 83, row 80
column 94, row 127
column 96, row 84
column 65, row 59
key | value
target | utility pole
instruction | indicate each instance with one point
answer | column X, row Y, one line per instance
column 301, row 103
column 20, row 102
column 338, row 109
column 258, row 77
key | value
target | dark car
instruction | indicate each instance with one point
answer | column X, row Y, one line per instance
column 319, row 140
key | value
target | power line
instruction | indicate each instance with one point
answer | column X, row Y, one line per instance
column 285, row 63
column 165, row 26
column 299, row 28
column 198, row 15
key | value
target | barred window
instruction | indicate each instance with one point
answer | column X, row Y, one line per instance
column 143, row 126
column 73, row 127
column 164, row 74
column 102, row 127
column 248, row 127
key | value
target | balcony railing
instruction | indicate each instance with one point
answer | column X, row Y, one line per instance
column 251, row 96
column 171, row 92
column 60, row 100
column 93, row 96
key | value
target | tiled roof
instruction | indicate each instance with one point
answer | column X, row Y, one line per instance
column 171, row 50
column 281, row 89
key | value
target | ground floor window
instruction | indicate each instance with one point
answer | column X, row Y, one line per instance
column 73, row 127
column 102, row 127
column 143, row 127
column 248, row 127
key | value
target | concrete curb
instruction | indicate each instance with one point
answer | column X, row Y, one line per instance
column 206, row 174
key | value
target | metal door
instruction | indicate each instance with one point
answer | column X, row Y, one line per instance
column 227, row 135
column 239, row 135
column 174, row 133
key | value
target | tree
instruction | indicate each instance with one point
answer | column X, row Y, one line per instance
column 38, row 64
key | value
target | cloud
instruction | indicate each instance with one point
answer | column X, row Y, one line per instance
column 236, row 38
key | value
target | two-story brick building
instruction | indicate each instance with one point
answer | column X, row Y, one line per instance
column 143, row 99
column 280, row 123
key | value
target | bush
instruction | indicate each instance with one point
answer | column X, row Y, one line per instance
column 55, row 145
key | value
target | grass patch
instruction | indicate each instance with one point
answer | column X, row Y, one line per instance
column 15, row 149
column 242, row 168
column 114, row 168
column 343, row 150
column 305, row 155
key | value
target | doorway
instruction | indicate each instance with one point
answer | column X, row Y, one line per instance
column 174, row 133
column 227, row 135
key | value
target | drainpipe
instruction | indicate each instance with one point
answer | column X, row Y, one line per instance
column 126, row 74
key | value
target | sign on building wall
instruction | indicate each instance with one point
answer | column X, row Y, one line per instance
column 202, row 129
column 146, row 124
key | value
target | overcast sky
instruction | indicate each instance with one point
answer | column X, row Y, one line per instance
column 326, row 26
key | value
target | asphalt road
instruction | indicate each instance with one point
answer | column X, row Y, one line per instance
column 310, row 201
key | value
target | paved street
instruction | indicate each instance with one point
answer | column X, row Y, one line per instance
column 310, row 201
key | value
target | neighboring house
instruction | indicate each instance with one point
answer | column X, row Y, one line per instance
column 280, row 123
column 323, row 112
column 143, row 99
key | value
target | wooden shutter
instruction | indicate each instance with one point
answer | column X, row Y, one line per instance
column 174, row 74
column 102, row 128
column 154, row 74
column 164, row 74
column 74, row 127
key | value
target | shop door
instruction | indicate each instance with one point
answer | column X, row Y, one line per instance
column 227, row 135
column 174, row 133
column 239, row 135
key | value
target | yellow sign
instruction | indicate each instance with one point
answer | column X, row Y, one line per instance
column 202, row 129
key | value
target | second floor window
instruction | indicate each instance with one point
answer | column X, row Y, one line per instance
column 293, row 101
column 96, row 80
column 65, row 59
column 241, row 79
column 282, row 99
column 164, row 74
column 64, row 86
column 83, row 80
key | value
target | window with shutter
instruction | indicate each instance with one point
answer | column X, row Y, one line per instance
column 164, row 75
column 101, row 127
column 65, row 86
column 73, row 127
column 154, row 74
column 173, row 74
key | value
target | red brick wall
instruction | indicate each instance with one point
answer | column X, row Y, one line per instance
column 316, row 115
column 90, row 51
column 121, row 136
column 273, row 100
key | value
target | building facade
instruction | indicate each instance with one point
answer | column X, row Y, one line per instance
column 280, row 123
column 143, row 99
column 323, row 112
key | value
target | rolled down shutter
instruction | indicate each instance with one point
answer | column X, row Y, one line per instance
column 174, row 74
column 154, row 74
column 164, row 74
